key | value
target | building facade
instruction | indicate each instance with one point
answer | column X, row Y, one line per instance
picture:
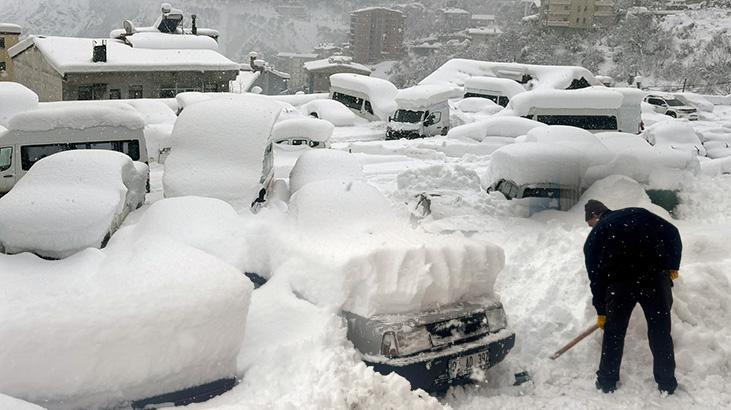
column 453, row 19
column 376, row 34
column 578, row 14
column 9, row 35
column 63, row 68
column 294, row 64
column 319, row 71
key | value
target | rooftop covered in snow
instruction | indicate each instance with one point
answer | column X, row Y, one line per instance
column 335, row 61
column 10, row 28
column 595, row 98
column 420, row 96
column 74, row 55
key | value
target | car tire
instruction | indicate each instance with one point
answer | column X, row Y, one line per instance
column 445, row 130
column 671, row 114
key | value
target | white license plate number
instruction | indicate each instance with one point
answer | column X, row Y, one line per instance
column 463, row 365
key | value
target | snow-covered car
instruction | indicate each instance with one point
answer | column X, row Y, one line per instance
column 70, row 201
column 319, row 165
column 153, row 319
column 301, row 133
column 221, row 149
column 676, row 135
column 542, row 175
column 420, row 305
column 669, row 105
column 329, row 110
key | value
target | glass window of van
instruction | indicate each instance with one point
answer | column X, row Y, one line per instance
column 348, row 100
column 408, row 116
column 6, row 158
column 587, row 122
column 30, row 154
column 367, row 107
column 131, row 148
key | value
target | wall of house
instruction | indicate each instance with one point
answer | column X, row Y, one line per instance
column 320, row 80
column 32, row 70
column 155, row 84
column 10, row 39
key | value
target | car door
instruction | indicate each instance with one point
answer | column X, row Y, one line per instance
column 8, row 174
column 658, row 105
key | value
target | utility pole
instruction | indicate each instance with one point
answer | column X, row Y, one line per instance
column 684, row 81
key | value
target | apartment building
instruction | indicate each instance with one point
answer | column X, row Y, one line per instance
column 376, row 34
column 578, row 14
column 9, row 34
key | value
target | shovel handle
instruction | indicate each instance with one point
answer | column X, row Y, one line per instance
column 576, row 340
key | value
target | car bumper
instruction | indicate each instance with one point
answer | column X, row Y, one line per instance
column 398, row 134
column 431, row 373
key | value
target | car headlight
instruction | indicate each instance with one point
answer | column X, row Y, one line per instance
column 496, row 319
column 413, row 340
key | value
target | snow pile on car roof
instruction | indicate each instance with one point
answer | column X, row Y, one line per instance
column 307, row 127
column 359, row 256
column 16, row 98
column 329, row 110
column 420, row 97
column 124, row 323
column 458, row 70
column 317, row 165
column 676, row 135
column 536, row 162
column 381, row 93
column 218, row 148
column 79, row 116
column 495, row 127
column 493, row 86
column 69, row 201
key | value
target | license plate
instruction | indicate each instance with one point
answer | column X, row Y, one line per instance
column 463, row 365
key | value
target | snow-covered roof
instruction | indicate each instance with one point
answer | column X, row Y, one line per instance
column 456, row 71
column 381, row 93
column 73, row 55
column 483, row 17
column 312, row 128
column 503, row 86
column 455, row 11
column 536, row 162
column 330, row 110
column 485, row 31
column 421, row 96
column 297, row 55
column 78, row 116
column 10, row 28
column 335, row 61
column 324, row 164
column 15, row 98
column 521, row 104
column 495, row 127
column 369, row 9
column 165, row 41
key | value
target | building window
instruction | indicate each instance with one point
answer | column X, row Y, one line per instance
column 85, row 92
column 92, row 92
column 115, row 94
column 210, row 87
column 135, row 91
column 168, row 92
column 2, row 66
column 2, row 42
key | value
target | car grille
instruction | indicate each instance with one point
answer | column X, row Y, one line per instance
column 688, row 111
column 394, row 135
column 451, row 331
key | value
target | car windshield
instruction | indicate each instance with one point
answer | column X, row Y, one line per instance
column 408, row 116
column 673, row 102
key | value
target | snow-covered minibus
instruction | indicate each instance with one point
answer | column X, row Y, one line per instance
column 38, row 133
column 498, row 90
column 369, row 97
column 422, row 111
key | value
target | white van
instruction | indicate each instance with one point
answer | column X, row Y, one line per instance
column 422, row 111
column 498, row 90
column 595, row 109
column 36, row 134
column 369, row 97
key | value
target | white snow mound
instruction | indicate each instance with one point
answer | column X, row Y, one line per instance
column 15, row 98
column 78, row 116
column 317, row 165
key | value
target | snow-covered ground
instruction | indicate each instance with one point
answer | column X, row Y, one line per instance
column 295, row 353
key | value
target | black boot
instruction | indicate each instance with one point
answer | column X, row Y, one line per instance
column 606, row 388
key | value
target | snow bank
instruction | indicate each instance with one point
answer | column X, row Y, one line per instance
column 616, row 192
column 78, row 116
column 583, row 99
column 493, row 86
column 420, row 97
column 318, row 165
column 676, row 135
column 495, row 127
column 218, row 148
column 536, row 162
column 477, row 104
column 695, row 100
column 15, row 98
column 153, row 111
column 312, row 128
column 592, row 149
column 381, row 93
column 456, row 71
column 103, row 327
column 360, row 257
column 10, row 403
column 716, row 166
column 329, row 110
column 438, row 178
column 70, row 201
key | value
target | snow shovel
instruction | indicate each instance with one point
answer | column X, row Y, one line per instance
column 576, row 340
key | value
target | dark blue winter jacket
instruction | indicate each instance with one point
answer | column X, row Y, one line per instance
column 629, row 245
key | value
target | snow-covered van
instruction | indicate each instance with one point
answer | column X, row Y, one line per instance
column 369, row 97
column 498, row 90
column 596, row 109
column 422, row 111
column 38, row 133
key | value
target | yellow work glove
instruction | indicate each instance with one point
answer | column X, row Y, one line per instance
column 600, row 321
column 674, row 274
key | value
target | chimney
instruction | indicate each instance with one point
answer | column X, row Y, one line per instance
column 195, row 28
column 100, row 52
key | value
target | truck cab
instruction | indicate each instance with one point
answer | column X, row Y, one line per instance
column 422, row 111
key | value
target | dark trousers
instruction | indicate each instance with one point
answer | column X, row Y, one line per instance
column 656, row 298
